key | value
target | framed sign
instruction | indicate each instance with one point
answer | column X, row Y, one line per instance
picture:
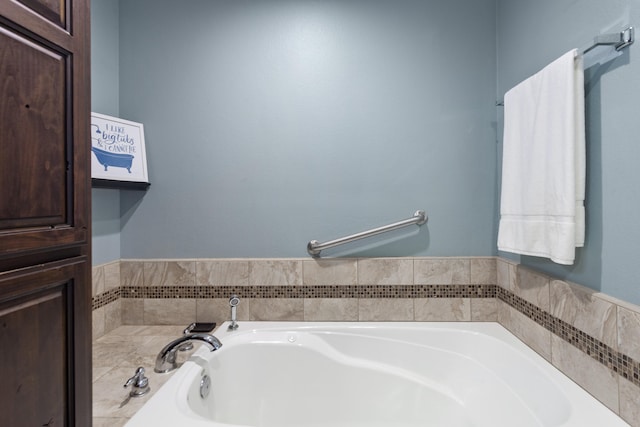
column 118, row 156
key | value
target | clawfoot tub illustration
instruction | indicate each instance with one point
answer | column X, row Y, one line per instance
column 118, row 160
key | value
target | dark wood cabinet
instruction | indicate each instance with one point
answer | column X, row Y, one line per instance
column 45, row 269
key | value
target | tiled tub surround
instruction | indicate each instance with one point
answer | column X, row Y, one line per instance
column 592, row 338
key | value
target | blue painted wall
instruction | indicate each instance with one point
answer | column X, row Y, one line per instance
column 530, row 35
column 105, row 98
column 272, row 123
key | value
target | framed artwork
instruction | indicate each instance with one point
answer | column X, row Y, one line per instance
column 118, row 156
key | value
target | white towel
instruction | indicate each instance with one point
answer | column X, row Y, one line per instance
column 543, row 163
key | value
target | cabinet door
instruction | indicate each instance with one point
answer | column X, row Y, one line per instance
column 44, row 362
column 44, row 116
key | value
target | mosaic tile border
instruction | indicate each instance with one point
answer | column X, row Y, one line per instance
column 326, row 291
column 618, row 362
column 532, row 311
column 105, row 298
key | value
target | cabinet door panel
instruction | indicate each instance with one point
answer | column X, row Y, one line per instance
column 44, row 93
column 37, row 337
column 51, row 10
column 32, row 335
column 33, row 143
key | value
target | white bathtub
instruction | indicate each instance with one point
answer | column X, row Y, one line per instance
column 285, row 374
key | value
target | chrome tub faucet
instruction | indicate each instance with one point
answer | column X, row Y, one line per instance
column 166, row 360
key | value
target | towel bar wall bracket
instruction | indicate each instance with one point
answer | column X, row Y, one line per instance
column 314, row 247
column 619, row 40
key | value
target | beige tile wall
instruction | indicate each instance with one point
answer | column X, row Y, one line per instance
column 365, row 290
column 369, row 273
column 614, row 323
column 108, row 317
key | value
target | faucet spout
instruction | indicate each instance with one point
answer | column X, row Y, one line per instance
column 166, row 359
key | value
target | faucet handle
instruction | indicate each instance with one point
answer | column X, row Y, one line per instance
column 139, row 383
column 189, row 328
column 187, row 345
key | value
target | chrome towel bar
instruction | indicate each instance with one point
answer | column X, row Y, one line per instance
column 314, row 247
column 618, row 41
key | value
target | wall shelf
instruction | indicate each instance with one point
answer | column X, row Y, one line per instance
column 122, row 185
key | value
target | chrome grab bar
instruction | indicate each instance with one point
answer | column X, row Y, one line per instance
column 314, row 247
